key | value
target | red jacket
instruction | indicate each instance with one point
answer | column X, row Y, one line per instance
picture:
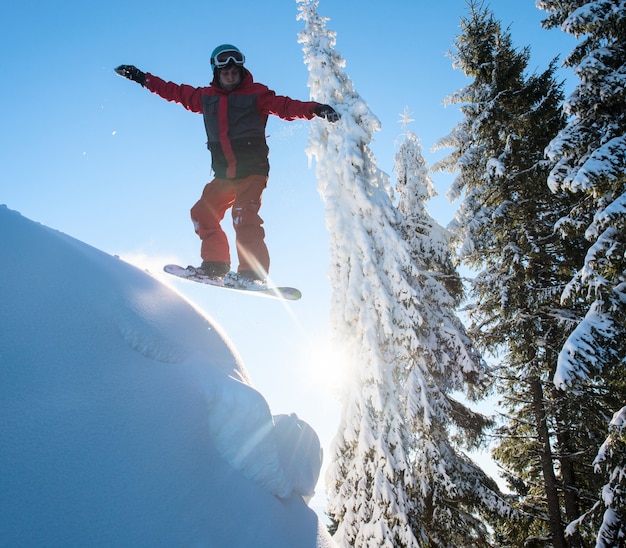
column 234, row 120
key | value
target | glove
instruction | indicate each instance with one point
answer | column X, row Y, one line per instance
column 326, row 111
column 132, row 73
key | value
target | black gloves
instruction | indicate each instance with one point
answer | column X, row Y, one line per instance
column 326, row 111
column 132, row 73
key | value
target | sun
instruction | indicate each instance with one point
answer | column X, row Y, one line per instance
column 326, row 364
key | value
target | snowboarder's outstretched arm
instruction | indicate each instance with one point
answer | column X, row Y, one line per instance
column 291, row 109
column 187, row 96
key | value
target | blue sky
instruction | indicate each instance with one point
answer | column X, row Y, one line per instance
column 103, row 160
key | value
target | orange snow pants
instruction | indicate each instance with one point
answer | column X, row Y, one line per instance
column 244, row 197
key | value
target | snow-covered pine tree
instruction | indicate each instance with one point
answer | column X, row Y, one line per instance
column 590, row 156
column 377, row 313
column 369, row 477
column 505, row 228
column 428, row 241
column 452, row 492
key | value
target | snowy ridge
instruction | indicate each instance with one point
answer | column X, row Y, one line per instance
column 126, row 416
column 241, row 426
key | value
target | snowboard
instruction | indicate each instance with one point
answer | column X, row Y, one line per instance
column 196, row 275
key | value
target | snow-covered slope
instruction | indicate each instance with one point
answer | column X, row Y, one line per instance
column 126, row 419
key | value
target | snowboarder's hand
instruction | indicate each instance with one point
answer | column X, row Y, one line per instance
column 327, row 112
column 132, row 73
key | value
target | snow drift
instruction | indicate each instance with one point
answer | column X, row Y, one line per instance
column 126, row 418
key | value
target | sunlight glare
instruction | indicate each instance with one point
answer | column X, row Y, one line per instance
column 326, row 365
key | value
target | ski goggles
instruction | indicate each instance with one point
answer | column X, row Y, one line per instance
column 224, row 57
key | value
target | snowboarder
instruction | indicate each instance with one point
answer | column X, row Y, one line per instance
column 235, row 110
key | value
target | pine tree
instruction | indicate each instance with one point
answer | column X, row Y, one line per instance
column 453, row 493
column 505, row 229
column 379, row 316
column 590, row 158
column 369, row 476
column 428, row 241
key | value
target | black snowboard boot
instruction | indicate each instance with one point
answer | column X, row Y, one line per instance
column 214, row 270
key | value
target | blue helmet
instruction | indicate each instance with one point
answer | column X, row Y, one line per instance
column 225, row 54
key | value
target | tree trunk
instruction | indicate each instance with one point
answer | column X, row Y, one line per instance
column 570, row 491
column 549, row 477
